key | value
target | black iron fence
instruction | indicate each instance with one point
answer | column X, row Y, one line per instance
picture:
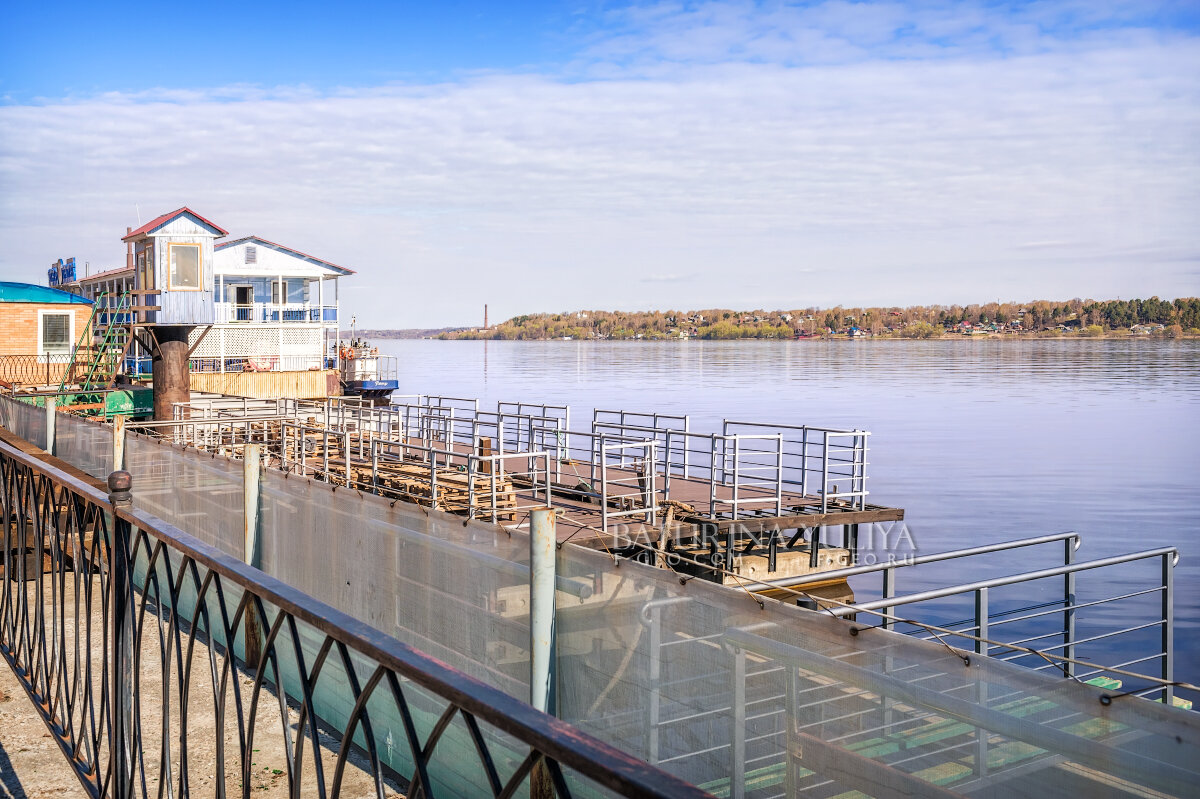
column 161, row 665
column 44, row 369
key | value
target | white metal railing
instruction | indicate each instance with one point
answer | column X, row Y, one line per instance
column 752, row 466
column 627, row 491
column 296, row 312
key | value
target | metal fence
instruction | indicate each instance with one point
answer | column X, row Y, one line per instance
column 41, row 370
column 735, row 693
column 161, row 664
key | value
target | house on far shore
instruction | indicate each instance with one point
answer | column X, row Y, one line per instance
column 39, row 327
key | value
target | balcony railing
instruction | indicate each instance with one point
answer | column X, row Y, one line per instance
column 299, row 312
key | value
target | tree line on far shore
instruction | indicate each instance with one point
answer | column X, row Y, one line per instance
column 1177, row 318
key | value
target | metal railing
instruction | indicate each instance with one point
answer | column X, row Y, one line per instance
column 229, row 312
column 627, row 491
column 127, row 633
column 47, row 369
column 819, row 460
column 984, row 621
column 479, row 486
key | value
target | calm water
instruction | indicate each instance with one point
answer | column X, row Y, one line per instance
column 979, row 441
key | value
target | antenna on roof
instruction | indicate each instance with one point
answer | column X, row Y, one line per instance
column 139, row 214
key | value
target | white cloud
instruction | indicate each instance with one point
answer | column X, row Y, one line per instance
column 851, row 179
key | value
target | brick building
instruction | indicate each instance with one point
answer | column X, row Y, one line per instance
column 39, row 326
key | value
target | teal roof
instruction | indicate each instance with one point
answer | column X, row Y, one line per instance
column 28, row 292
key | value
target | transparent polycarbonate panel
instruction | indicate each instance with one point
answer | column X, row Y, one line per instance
column 25, row 420
column 198, row 493
column 84, row 443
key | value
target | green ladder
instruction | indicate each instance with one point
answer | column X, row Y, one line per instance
column 113, row 337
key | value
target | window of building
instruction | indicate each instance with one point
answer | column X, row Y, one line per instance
column 185, row 266
column 276, row 292
column 251, row 254
column 56, row 332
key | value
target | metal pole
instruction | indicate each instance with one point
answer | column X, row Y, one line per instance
column 889, row 591
column 118, row 442
column 251, row 494
column 1168, row 627
column 543, row 545
column 120, row 594
column 737, row 751
column 981, row 686
column 51, row 405
column 1069, row 545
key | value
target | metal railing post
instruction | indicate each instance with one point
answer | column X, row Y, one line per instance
column 1168, row 627
column 51, row 409
column 118, row 443
column 737, row 750
column 981, row 619
column 1069, row 545
column 251, row 495
column 825, row 473
column 543, row 545
column 120, row 595
column 603, row 484
column 779, row 476
column 889, row 591
column 804, row 461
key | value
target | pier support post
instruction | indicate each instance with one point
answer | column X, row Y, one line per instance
column 251, row 493
column 543, row 545
column 51, row 409
column 120, row 596
column 169, row 363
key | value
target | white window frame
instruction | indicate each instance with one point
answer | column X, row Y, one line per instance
column 199, row 266
column 41, row 343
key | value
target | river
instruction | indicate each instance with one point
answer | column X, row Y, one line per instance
column 979, row 440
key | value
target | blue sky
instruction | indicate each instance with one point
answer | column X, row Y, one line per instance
column 554, row 156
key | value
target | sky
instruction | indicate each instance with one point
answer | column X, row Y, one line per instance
column 553, row 156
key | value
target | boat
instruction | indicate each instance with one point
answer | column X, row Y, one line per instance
column 363, row 372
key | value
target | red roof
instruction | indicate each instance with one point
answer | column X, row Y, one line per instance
column 243, row 239
column 154, row 224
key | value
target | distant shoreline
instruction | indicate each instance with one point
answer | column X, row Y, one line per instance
column 1012, row 337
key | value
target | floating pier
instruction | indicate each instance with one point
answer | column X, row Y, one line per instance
column 751, row 499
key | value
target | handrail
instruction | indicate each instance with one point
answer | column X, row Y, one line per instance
column 917, row 560
column 554, row 743
column 1011, row 579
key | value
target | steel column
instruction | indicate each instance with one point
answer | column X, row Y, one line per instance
column 543, row 546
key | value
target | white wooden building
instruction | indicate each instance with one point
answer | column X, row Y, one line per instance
column 258, row 305
column 276, row 307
